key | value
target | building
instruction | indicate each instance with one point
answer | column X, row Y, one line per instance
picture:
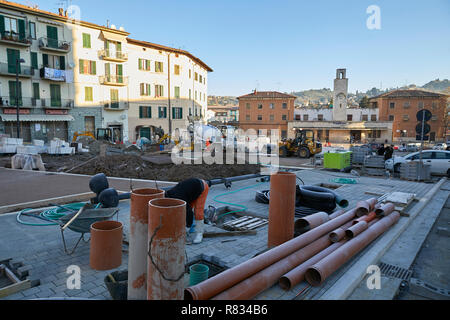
column 79, row 76
column 266, row 110
column 401, row 107
column 223, row 114
column 339, row 123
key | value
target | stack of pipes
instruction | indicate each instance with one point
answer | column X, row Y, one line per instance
column 314, row 255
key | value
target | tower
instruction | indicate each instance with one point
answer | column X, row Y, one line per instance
column 340, row 96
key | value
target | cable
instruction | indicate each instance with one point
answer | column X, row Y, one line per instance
column 50, row 214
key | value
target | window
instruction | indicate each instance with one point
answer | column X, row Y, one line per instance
column 391, row 105
column 145, row 112
column 86, row 40
column 144, row 64
column 162, row 112
column 190, row 73
column 272, row 117
column 349, row 117
column 201, row 79
column 52, row 37
column 54, row 62
column 195, row 95
column 190, row 111
column 247, row 105
column 159, row 90
column 32, row 27
column 34, row 60
column 283, row 134
column 177, row 113
column 284, row 117
column 297, row 117
column 434, row 105
column 55, row 95
column 145, row 89
column 284, row 105
column 195, row 76
column 373, row 117
column 405, row 117
column 177, row 92
column 391, row 117
column 190, row 94
column 88, row 94
column 260, row 106
column 305, row 117
column 320, row 117
column 114, row 98
column 434, row 118
column 439, row 155
column 247, row 117
column 365, row 117
column 11, row 25
column 158, row 66
column 88, row 67
column 13, row 56
column 259, row 117
column 13, row 93
column 406, row 105
column 176, row 69
column 36, row 92
column 272, row 106
column 420, row 105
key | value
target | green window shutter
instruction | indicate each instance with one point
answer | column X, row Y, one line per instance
column 36, row 93
column 181, row 113
column 34, row 60
column 173, row 113
column 55, row 95
column 62, row 62
column 119, row 47
column 148, row 89
column 86, row 40
column 45, row 60
column 2, row 25
column 52, row 36
column 13, row 55
column 21, row 24
column 140, row 64
column 142, row 89
column 93, row 68
column 81, row 65
column 165, row 112
column 147, row 65
column 120, row 70
column 12, row 93
column 149, row 112
column 140, row 112
column 107, row 70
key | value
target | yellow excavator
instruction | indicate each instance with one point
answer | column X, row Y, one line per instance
column 104, row 134
column 303, row 145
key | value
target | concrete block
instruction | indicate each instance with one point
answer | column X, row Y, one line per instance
column 420, row 288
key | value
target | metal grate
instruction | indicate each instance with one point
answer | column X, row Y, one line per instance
column 393, row 271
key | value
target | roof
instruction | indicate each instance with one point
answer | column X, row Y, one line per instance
column 161, row 47
column 222, row 107
column 267, row 95
column 62, row 18
column 410, row 93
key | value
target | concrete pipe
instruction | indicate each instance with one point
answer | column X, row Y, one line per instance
column 281, row 208
column 365, row 206
column 167, row 239
column 337, row 235
column 106, row 245
column 138, row 242
column 385, row 209
column 356, row 229
column 228, row 278
column 321, row 270
column 310, row 222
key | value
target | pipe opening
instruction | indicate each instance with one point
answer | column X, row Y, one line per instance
column 188, row 295
column 349, row 234
column 313, row 277
column 285, row 283
column 301, row 224
column 167, row 203
column 147, row 191
column 334, row 237
column 106, row 225
column 343, row 203
column 379, row 211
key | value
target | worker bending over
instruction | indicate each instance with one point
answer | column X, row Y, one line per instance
column 194, row 191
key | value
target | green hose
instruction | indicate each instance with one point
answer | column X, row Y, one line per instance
column 234, row 204
column 51, row 214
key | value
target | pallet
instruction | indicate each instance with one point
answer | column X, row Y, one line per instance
column 401, row 200
column 244, row 223
column 15, row 285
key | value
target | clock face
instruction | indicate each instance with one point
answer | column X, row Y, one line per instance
column 341, row 96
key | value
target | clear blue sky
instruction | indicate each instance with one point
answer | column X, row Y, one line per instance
column 290, row 45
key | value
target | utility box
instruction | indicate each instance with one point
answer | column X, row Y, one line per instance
column 336, row 160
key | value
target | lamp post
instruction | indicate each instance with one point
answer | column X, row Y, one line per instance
column 18, row 62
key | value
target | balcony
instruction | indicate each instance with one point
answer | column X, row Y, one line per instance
column 114, row 80
column 10, row 70
column 115, row 105
column 53, row 74
column 46, row 103
column 14, row 39
column 10, row 102
column 117, row 56
column 49, row 103
column 54, row 45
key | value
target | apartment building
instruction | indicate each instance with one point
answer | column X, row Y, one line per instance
column 223, row 114
column 79, row 76
column 264, row 111
column 401, row 106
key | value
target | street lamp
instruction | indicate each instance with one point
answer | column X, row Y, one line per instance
column 18, row 62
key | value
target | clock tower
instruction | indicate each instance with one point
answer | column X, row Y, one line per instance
column 340, row 96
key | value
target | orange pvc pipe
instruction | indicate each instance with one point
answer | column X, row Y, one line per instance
column 321, row 270
column 106, row 245
column 356, row 229
column 166, row 259
column 310, row 222
column 365, row 206
column 228, row 278
column 281, row 208
column 385, row 209
column 138, row 242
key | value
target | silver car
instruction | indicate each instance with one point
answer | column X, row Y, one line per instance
column 438, row 159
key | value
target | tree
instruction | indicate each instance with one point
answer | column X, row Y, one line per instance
column 364, row 102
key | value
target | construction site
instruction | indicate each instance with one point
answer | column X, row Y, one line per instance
column 102, row 224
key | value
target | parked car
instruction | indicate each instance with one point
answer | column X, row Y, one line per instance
column 438, row 159
column 402, row 148
column 440, row 146
column 412, row 147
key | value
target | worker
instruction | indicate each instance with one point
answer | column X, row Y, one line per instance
column 388, row 152
column 381, row 150
column 194, row 191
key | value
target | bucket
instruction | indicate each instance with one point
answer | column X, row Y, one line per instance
column 161, row 147
column 198, row 273
column 117, row 284
column 106, row 245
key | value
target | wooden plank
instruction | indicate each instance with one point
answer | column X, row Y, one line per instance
column 243, row 224
column 14, row 288
column 229, row 234
column 262, row 223
column 11, row 276
column 235, row 221
column 400, row 197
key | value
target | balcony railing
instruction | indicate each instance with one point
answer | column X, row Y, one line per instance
column 53, row 74
column 14, row 38
column 115, row 105
column 54, row 45
column 26, row 102
column 10, row 69
column 113, row 55
column 51, row 103
column 114, row 80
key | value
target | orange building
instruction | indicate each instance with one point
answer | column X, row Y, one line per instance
column 401, row 107
column 266, row 110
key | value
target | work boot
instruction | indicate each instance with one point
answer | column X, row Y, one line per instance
column 199, row 228
column 188, row 236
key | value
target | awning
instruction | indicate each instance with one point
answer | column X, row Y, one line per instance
column 114, row 36
column 36, row 117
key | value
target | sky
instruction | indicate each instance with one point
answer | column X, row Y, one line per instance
column 290, row 45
